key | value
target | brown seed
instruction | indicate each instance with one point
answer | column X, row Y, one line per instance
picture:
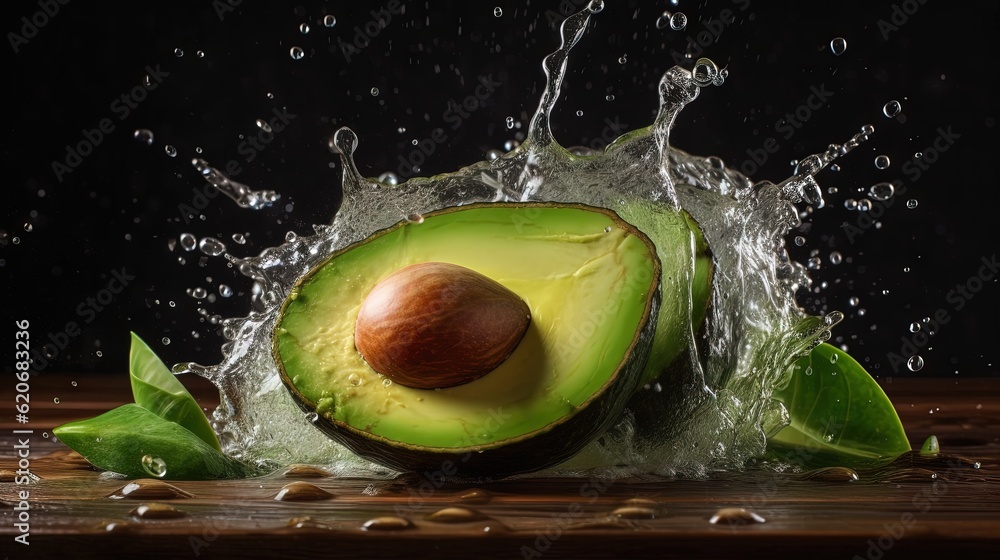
column 434, row 324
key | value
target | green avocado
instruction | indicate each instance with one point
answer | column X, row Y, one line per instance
column 591, row 282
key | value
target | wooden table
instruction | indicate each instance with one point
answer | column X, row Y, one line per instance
column 923, row 507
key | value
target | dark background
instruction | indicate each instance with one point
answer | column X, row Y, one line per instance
column 121, row 206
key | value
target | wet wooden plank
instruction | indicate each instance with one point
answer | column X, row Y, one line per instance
column 920, row 509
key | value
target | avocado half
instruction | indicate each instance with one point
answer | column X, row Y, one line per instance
column 592, row 283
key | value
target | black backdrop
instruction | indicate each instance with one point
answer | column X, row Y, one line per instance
column 198, row 75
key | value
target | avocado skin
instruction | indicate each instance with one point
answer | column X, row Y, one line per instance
column 528, row 452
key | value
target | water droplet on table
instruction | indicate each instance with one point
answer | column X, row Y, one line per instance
column 154, row 466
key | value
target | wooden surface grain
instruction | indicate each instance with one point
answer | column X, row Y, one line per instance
column 919, row 507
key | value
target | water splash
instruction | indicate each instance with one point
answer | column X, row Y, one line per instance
column 717, row 411
column 241, row 194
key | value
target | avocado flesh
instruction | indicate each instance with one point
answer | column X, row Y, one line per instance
column 589, row 279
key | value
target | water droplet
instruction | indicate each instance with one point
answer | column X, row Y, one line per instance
column 854, row 301
column 374, row 92
column 799, row 240
column 892, row 108
column 73, row 383
column 493, row 154
column 329, row 21
column 623, row 59
column 498, row 11
column 304, row 28
column 915, row 327
column 178, row 52
column 387, row 523
column 415, row 218
column 389, row 178
column 610, row 97
column 225, row 291
column 915, row 363
column 838, row 45
column 930, row 446
column 354, row 379
column 663, row 21
column 200, row 54
column 301, row 491
column 809, row 370
column 864, row 205
column 156, row 511
column 154, row 466
column 170, row 150
column 165, row 341
column 143, row 135
column 881, row 191
column 596, row 6
column 510, row 123
column 678, row 21
column 297, row 53
column 705, row 72
column 882, row 162
column 239, row 238
column 386, row 382
column 261, row 124
column 312, row 417
column 911, row 204
column 211, row 246
column 735, row 516
column 188, row 242
column 198, row 293
column 836, row 257
column 834, row 358
column 56, row 400
column 28, row 227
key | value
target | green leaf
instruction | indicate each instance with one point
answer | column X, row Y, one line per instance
column 156, row 389
column 839, row 414
column 131, row 440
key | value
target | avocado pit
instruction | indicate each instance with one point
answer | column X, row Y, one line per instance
column 434, row 325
